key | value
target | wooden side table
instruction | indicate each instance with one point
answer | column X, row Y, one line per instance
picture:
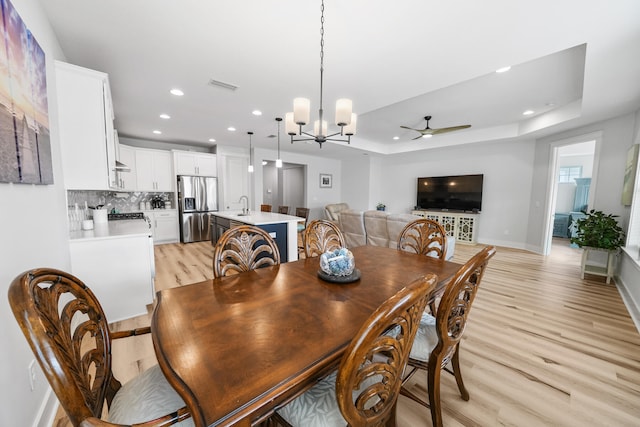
column 598, row 268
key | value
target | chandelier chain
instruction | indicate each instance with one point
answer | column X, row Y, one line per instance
column 322, row 36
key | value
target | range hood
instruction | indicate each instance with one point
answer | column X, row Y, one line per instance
column 121, row 167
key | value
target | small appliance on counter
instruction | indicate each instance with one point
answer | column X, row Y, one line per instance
column 157, row 202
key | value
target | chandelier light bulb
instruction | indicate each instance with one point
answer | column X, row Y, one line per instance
column 350, row 129
column 301, row 108
column 343, row 111
column 278, row 163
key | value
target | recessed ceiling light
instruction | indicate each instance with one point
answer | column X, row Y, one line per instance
column 503, row 69
column 256, row 112
column 231, row 129
column 157, row 132
column 176, row 92
column 527, row 112
column 212, row 140
column 396, row 138
column 427, row 136
column 165, row 116
column 264, row 163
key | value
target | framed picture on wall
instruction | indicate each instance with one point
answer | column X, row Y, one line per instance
column 326, row 180
column 630, row 175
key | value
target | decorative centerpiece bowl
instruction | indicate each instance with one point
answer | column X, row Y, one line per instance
column 338, row 266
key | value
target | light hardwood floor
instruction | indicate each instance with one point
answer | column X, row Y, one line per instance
column 542, row 348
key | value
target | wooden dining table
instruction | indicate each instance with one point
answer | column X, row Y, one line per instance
column 236, row 348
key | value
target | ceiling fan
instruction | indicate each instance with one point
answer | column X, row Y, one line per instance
column 427, row 132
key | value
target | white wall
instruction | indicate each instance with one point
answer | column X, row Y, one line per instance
column 315, row 197
column 33, row 226
column 616, row 138
column 356, row 183
column 507, row 169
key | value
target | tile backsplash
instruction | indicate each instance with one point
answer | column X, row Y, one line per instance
column 120, row 201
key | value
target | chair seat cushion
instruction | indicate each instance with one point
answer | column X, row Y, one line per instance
column 426, row 338
column 317, row 407
column 146, row 397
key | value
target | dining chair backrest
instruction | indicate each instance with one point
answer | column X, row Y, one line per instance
column 370, row 373
column 283, row 210
column 265, row 208
column 455, row 305
column 321, row 236
column 303, row 213
column 423, row 236
column 68, row 333
column 244, row 248
column 438, row 342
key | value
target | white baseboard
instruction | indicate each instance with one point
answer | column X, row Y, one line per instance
column 47, row 413
column 632, row 306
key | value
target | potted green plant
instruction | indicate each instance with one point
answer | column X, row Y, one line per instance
column 380, row 206
column 599, row 230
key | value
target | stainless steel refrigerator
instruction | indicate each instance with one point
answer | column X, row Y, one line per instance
column 197, row 198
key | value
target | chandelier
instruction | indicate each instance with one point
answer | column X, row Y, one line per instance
column 345, row 118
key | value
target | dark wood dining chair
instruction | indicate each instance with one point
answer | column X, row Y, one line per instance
column 283, row 210
column 69, row 335
column 364, row 391
column 437, row 342
column 321, row 236
column 426, row 237
column 244, row 248
column 302, row 213
column 265, row 208
column 423, row 236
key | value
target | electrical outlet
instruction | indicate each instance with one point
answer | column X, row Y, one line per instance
column 32, row 374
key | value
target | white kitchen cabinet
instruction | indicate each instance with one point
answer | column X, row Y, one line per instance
column 153, row 170
column 87, row 140
column 190, row 163
column 118, row 270
column 164, row 225
column 127, row 180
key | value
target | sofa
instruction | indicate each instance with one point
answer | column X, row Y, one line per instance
column 332, row 211
column 378, row 228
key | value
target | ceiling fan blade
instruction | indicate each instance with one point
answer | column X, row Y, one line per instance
column 449, row 129
column 406, row 127
column 417, row 137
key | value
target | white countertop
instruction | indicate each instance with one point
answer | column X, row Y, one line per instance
column 113, row 229
column 258, row 217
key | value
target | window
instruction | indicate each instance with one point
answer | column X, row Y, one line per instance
column 569, row 173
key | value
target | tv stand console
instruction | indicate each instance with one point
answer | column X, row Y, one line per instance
column 461, row 225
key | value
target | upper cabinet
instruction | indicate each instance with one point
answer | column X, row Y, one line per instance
column 153, row 170
column 87, row 137
column 128, row 180
column 191, row 163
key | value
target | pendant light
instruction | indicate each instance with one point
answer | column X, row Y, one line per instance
column 250, row 168
column 278, row 160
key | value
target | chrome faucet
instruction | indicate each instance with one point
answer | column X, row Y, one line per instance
column 245, row 209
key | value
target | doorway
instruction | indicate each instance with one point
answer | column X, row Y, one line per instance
column 284, row 186
column 573, row 165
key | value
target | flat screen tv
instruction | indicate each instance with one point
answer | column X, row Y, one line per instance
column 454, row 193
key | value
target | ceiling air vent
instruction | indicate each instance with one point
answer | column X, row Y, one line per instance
column 213, row 82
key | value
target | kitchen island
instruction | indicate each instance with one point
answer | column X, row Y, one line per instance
column 115, row 260
column 283, row 228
